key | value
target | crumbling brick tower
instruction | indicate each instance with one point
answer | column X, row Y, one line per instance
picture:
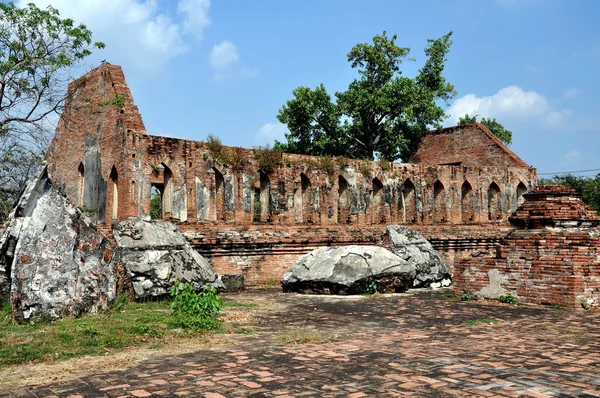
column 552, row 257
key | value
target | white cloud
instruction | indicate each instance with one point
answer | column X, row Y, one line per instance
column 223, row 55
column 571, row 93
column 196, row 16
column 510, row 103
column 224, row 59
column 136, row 33
column 572, row 156
column 270, row 132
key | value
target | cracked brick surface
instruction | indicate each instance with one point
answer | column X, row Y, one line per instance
column 403, row 345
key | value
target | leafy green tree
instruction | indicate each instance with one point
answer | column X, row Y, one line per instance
column 492, row 124
column 37, row 49
column 588, row 188
column 155, row 204
column 381, row 113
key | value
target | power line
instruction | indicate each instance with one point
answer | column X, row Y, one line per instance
column 569, row 172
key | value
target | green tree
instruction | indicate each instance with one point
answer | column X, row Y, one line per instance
column 381, row 113
column 492, row 124
column 37, row 49
column 588, row 188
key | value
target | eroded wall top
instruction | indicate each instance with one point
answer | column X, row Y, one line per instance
column 472, row 145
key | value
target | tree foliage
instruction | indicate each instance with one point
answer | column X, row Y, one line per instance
column 37, row 48
column 492, row 124
column 588, row 188
column 381, row 113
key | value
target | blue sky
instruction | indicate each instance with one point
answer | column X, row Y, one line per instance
column 226, row 66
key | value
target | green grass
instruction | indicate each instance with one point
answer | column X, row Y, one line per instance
column 484, row 321
column 134, row 324
column 238, row 304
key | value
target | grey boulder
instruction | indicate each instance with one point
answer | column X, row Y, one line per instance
column 348, row 270
column 155, row 254
column 53, row 259
column 432, row 269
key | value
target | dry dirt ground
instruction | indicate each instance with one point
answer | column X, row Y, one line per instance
column 290, row 345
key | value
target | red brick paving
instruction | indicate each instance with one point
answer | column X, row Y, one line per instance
column 395, row 346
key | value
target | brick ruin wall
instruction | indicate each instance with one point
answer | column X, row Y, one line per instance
column 551, row 258
column 252, row 220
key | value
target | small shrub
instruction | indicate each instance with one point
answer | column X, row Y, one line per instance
column 508, row 299
column 119, row 303
column 466, row 297
column 369, row 289
column 88, row 211
column 366, row 170
column 385, row 164
column 205, row 156
column 215, row 148
column 342, row 162
column 268, row 159
column 196, row 311
column 236, row 158
column 327, row 165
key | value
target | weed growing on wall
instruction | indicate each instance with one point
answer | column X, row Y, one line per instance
column 327, row 165
column 508, row 299
column 196, row 311
column 268, row 159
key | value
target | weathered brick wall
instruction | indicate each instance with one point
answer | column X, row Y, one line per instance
column 104, row 159
column 553, row 257
column 263, row 253
column 468, row 145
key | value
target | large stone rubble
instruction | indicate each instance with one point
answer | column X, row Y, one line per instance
column 53, row 260
column 349, row 270
column 155, row 254
column 408, row 244
column 413, row 263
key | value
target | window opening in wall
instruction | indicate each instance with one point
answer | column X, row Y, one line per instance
column 219, row 194
column 162, row 180
column 265, row 197
column 305, row 195
column 257, row 209
column 81, row 170
column 156, row 201
column 114, row 179
column 343, row 201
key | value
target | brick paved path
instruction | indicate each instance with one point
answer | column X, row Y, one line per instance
column 417, row 345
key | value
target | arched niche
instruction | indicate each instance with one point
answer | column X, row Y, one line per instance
column 408, row 202
column 466, row 202
column 439, row 202
column 377, row 202
column 494, row 212
column 343, row 200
